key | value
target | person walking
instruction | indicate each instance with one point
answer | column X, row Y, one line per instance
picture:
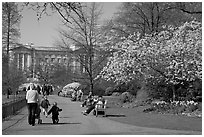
column 55, row 112
column 79, row 95
column 32, row 98
column 45, row 104
column 38, row 89
column 8, row 92
column 44, row 89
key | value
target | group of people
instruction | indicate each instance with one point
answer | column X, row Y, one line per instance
column 77, row 95
column 90, row 102
column 45, row 89
column 34, row 103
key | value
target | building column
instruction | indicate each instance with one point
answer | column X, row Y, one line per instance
column 23, row 61
column 33, row 62
column 20, row 61
column 29, row 60
column 26, row 61
column 17, row 60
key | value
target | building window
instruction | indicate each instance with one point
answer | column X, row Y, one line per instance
column 46, row 59
column 52, row 60
column 58, row 60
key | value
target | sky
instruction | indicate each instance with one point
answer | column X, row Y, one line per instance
column 44, row 32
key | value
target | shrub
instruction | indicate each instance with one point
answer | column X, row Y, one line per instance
column 98, row 91
column 132, row 91
column 191, row 108
column 126, row 97
column 199, row 106
column 109, row 91
column 116, row 94
column 121, row 88
column 149, row 110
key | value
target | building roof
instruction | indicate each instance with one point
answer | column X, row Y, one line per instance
column 48, row 48
column 32, row 47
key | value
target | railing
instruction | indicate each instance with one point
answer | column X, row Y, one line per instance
column 11, row 108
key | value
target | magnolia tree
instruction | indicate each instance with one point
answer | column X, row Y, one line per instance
column 174, row 55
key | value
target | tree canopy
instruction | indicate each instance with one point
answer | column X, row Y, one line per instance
column 174, row 54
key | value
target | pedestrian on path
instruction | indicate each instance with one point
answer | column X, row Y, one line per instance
column 45, row 104
column 55, row 112
column 38, row 89
column 37, row 114
column 8, row 92
column 79, row 95
column 32, row 98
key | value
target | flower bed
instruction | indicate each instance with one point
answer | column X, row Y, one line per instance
column 188, row 108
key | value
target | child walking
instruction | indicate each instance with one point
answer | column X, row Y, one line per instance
column 45, row 104
column 55, row 112
column 37, row 114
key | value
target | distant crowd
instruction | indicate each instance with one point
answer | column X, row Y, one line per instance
column 45, row 89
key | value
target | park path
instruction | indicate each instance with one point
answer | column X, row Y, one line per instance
column 72, row 122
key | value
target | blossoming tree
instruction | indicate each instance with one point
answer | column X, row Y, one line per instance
column 174, row 54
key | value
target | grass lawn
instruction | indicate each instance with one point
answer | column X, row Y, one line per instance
column 135, row 116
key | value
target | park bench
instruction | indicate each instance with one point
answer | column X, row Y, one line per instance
column 100, row 108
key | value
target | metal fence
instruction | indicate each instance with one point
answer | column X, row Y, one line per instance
column 11, row 108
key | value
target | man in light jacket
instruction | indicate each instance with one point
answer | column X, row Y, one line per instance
column 32, row 98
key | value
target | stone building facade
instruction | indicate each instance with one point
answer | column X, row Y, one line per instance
column 26, row 57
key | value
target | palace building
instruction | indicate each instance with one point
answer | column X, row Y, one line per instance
column 26, row 57
column 29, row 58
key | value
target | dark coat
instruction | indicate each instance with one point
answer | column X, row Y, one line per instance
column 45, row 103
column 54, row 110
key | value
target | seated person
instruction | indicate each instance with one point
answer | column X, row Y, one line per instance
column 90, row 95
column 92, row 106
column 100, row 102
column 87, row 101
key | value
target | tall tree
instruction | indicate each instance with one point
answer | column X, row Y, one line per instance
column 150, row 17
column 84, row 32
column 10, row 34
column 63, row 9
column 10, row 27
column 174, row 55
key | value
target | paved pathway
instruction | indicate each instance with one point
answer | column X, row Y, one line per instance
column 72, row 122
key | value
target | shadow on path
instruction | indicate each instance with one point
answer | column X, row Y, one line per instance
column 58, row 123
column 64, row 117
column 116, row 115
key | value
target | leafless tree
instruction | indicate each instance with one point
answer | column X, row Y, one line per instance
column 85, row 34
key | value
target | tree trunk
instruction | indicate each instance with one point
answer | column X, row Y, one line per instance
column 8, row 39
column 91, row 86
column 90, row 65
column 174, row 93
column 90, row 75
